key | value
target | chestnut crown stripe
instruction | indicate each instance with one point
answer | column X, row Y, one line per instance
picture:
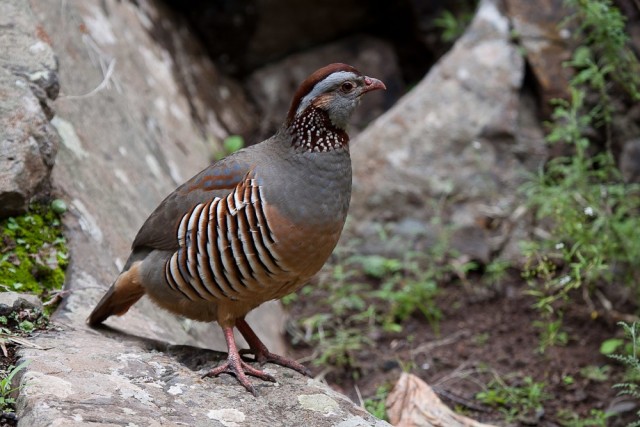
column 310, row 84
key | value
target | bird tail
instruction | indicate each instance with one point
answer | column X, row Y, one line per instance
column 125, row 291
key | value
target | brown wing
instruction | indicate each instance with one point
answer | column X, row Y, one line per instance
column 160, row 230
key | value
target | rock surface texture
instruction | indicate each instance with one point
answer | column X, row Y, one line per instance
column 28, row 83
column 137, row 382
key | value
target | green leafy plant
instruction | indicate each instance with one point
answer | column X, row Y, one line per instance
column 453, row 24
column 376, row 405
column 378, row 266
column 516, row 401
column 580, row 201
column 568, row 380
column 611, row 345
column 6, row 388
column 407, row 287
column 407, row 297
column 596, row 373
column 19, row 324
column 338, row 348
column 592, row 212
column 496, row 271
column 481, row 339
column 602, row 28
column 596, row 418
column 551, row 334
column 632, row 363
column 230, row 144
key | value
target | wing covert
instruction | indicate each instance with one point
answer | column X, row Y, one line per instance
column 217, row 180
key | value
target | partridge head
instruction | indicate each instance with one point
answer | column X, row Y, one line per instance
column 252, row 227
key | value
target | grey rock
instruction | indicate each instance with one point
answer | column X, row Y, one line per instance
column 11, row 302
column 456, row 147
column 103, row 377
column 472, row 242
column 28, row 82
column 272, row 85
column 204, row 87
column 25, row 48
column 410, row 227
column 28, row 144
column 391, row 238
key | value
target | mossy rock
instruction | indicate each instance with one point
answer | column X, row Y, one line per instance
column 33, row 252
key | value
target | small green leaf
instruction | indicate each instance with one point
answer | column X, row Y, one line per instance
column 233, row 143
column 59, row 206
column 610, row 346
column 378, row 266
column 392, row 327
column 26, row 326
column 581, row 56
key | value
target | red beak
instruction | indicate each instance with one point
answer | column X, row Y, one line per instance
column 372, row 84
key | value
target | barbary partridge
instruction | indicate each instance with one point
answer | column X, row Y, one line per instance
column 252, row 227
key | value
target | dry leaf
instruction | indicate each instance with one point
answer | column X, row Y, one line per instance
column 412, row 403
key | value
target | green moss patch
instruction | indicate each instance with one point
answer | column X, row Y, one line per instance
column 33, row 252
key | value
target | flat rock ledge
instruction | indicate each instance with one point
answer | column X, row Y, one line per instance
column 104, row 377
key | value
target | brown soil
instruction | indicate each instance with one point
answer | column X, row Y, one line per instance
column 484, row 335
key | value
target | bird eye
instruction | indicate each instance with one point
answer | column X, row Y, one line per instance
column 347, row 86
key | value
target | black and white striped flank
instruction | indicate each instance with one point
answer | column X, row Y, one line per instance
column 226, row 248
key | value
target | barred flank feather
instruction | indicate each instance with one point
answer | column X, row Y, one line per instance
column 226, row 248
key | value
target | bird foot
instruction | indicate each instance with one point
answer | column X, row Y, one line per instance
column 263, row 356
column 240, row 370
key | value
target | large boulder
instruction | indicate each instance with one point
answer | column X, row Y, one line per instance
column 453, row 150
column 107, row 379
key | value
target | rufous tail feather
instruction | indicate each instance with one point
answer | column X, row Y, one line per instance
column 124, row 292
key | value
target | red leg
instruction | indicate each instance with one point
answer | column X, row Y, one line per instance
column 261, row 352
column 235, row 366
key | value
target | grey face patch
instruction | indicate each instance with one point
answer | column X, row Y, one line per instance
column 330, row 82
